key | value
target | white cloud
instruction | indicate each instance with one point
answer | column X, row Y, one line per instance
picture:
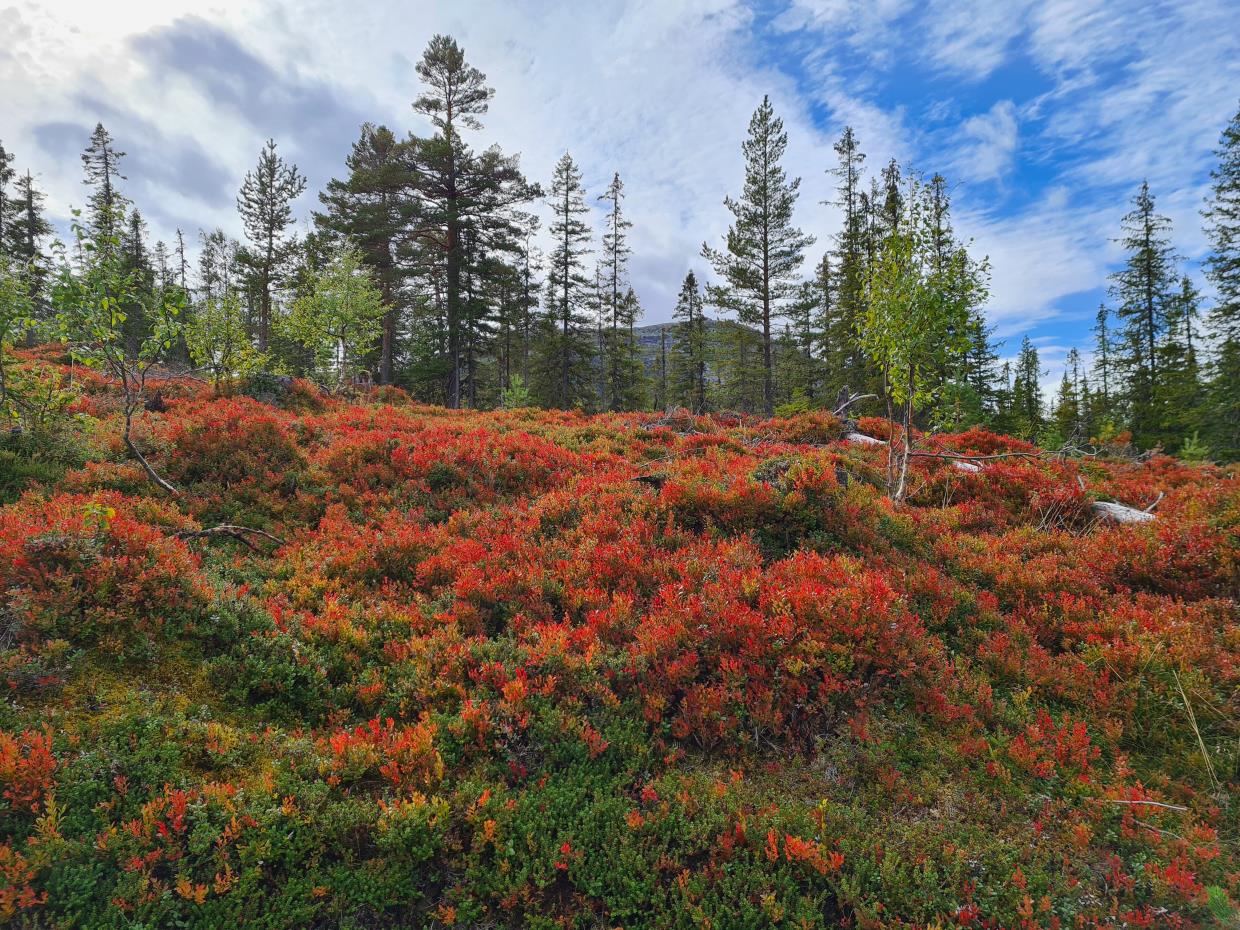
column 661, row 91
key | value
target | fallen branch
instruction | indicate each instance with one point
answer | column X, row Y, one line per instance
column 238, row 533
column 846, row 400
column 1170, row 807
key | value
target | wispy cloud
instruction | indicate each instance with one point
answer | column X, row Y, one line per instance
column 1045, row 116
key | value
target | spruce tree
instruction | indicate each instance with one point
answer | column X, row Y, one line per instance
column 1026, row 411
column 763, row 250
column 689, row 348
column 1222, row 216
column 29, row 229
column 1143, row 290
column 266, row 206
column 1179, row 393
column 106, row 206
column 9, row 205
column 566, row 345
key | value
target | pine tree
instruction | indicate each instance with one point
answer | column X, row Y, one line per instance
column 466, row 197
column 620, row 360
column 762, row 249
column 373, row 209
column 690, row 348
column 266, row 206
column 1026, row 410
column 845, row 360
column 1222, row 216
column 566, row 349
column 1143, row 291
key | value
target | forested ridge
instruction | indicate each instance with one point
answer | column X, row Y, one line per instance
column 394, row 575
column 462, row 307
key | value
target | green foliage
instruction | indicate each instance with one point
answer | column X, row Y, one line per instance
column 339, row 319
column 217, row 339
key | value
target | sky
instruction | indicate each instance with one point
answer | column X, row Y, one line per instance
column 1044, row 116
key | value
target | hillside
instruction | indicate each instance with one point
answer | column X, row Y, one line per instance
column 479, row 675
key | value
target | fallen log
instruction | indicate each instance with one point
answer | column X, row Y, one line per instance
column 1118, row 513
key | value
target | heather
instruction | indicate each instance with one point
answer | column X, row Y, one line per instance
column 530, row 668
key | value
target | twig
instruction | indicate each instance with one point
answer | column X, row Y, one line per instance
column 1157, row 501
column 231, row 530
column 1170, row 807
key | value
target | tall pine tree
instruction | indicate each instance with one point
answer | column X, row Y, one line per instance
column 566, row 351
column 763, row 250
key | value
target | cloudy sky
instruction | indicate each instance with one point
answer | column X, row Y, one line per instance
column 1045, row 116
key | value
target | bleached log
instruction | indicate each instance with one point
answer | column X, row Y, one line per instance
column 863, row 439
column 1118, row 513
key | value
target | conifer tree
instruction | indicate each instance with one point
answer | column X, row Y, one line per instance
column 1222, row 215
column 466, row 198
column 566, row 350
column 845, row 361
column 29, row 230
column 373, row 209
column 690, row 348
column 266, row 206
column 621, row 363
column 106, row 206
column 763, row 250
column 9, row 204
column 1026, row 411
column 1179, row 393
column 1143, row 292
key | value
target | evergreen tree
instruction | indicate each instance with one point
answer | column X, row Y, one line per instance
column 106, row 205
column 566, row 350
column 373, row 209
column 1143, row 292
column 1222, row 216
column 29, row 229
column 266, row 206
column 846, row 363
column 1026, row 410
column 690, row 348
column 1066, row 420
column 620, row 359
column 9, row 205
column 467, row 198
column 1178, row 394
column 763, row 249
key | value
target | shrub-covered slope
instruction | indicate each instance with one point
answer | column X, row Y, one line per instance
column 489, row 679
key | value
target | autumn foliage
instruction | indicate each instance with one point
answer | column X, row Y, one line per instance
column 540, row 669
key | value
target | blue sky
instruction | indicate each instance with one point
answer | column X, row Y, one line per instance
column 1044, row 116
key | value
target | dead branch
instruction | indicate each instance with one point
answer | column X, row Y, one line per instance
column 233, row 531
column 844, row 400
column 1170, row 807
